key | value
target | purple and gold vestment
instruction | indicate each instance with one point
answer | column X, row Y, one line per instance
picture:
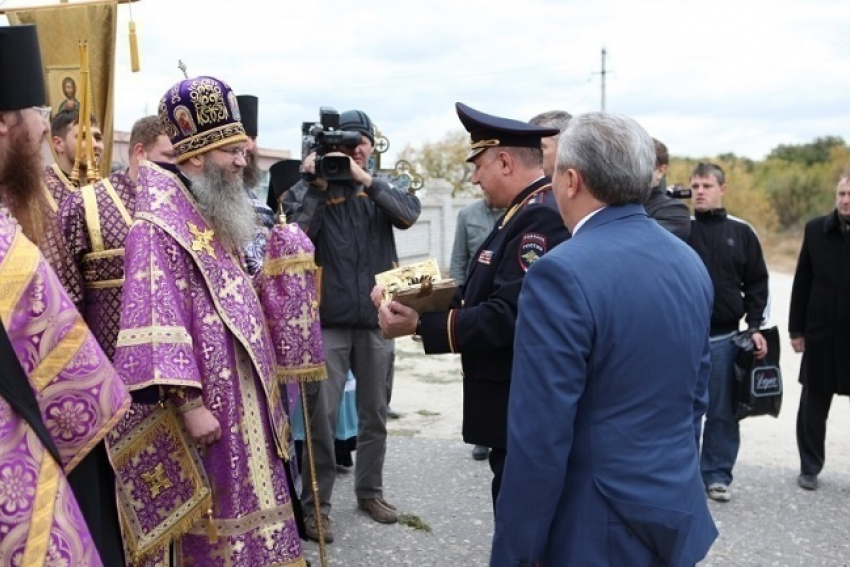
column 80, row 397
column 93, row 223
column 57, row 188
column 193, row 326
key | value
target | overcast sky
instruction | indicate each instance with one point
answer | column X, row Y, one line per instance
column 704, row 77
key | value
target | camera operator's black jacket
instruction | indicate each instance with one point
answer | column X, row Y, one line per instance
column 352, row 229
column 731, row 251
column 670, row 213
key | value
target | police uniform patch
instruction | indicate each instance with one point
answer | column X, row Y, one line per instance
column 485, row 257
column 532, row 246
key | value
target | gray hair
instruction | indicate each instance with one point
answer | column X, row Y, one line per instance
column 614, row 155
column 552, row 119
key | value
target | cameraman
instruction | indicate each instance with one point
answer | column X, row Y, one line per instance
column 351, row 224
column 670, row 213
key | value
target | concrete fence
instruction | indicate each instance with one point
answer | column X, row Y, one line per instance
column 433, row 234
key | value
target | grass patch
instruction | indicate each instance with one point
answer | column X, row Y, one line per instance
column 415, row 522
column 403, row 432
column 428, row 413
column 438, row 378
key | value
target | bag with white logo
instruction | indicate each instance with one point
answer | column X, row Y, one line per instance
column 758, row 383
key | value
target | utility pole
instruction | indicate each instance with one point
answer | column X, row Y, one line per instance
column 603, row 79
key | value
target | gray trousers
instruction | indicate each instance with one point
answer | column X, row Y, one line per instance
column 370, row 358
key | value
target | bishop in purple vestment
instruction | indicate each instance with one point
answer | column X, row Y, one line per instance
column 193, row 330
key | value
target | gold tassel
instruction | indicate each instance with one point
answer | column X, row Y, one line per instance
column 134, row 49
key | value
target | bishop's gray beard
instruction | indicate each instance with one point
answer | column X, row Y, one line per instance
column 225, row 204
column 252, row 173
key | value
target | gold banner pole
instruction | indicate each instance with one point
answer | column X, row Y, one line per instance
column 84, row 111
column 314, row 483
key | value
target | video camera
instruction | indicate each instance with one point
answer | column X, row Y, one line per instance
column 322, row 138
column 679, row 192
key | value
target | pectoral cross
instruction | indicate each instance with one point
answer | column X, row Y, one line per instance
column 156, row 480
column 203, row 239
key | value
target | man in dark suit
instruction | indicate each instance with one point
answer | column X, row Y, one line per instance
column 609, row 375
column 480, row 322
column 819, row 327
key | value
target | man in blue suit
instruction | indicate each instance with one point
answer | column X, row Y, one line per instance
column 611, row 364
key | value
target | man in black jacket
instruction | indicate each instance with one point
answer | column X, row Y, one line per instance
column 480, row 323
column 670, row 213
column 819, row 327
column 351, row 224
column 732, row 253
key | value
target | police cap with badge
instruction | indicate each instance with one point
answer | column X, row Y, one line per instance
column 488, row 131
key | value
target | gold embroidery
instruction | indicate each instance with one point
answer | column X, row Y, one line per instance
column 450, row 323
column 104, row 284
column 51, row 202
column 38, row 539
column 519, row 205
column 244, row 524
column 209, row 140
column 203, row 239
column 177, row 514
column 16, row 272
column 484, row 144
column 157, row 334
column 60, row 356
column 157, row 480
column 289, row 265
column 111, row 253
column 313, row 373
column 92, row 218
column 252, row 431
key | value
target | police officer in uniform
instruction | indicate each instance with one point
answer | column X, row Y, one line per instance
column 480, row 323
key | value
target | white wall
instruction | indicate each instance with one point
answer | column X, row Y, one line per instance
column 433, row 234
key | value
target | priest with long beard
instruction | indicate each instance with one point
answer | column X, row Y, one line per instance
column 59, row 396
column 194, row 333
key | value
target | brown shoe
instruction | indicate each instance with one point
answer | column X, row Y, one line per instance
column 379, row 509
column 312, row 530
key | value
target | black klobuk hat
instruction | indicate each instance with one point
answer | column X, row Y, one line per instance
column 283, row 175
column 21, row 72
column 249, row 110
